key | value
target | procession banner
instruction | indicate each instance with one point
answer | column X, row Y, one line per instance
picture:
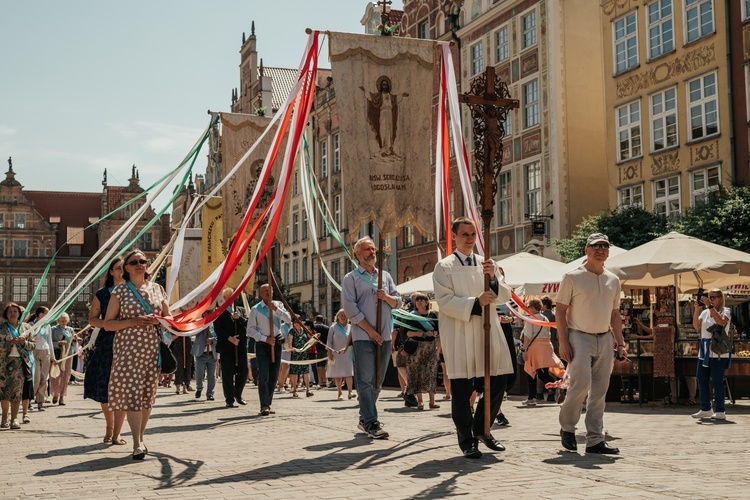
column 239, row 132
column 215, row 246
column 384, row 96
column 189, row 274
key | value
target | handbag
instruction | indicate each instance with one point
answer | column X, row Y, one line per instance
column 167, row 362
column 410, row 346
column 720, row 341
column 519, row 354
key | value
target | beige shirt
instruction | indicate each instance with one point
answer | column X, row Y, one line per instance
column 590, row 298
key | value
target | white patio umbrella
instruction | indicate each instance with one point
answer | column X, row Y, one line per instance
column 551, row 283
column 517, row 267
column 687, row 262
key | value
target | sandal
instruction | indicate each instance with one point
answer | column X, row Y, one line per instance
column 26, row 419
column 434, row 406
column 139, row 454
column 120, row 441
column 308, row 394
column 447, row 397
column 295, row 395
column 351, row 395
column 420, row 407
column 15, row 425
column 108, row 439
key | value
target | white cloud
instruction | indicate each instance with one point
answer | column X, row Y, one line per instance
column 7, row 131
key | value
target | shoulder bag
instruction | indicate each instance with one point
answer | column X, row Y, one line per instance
column 720, row 341
column 167, row 361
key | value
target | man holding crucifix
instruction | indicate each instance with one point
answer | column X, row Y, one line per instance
column 460, row 293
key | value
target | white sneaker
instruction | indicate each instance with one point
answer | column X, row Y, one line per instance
column 702, row 414
column 529, row 402
column 719, row 415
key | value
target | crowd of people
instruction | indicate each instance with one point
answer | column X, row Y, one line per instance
column 276, row 350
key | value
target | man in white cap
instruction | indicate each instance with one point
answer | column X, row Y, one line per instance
column 589, row 329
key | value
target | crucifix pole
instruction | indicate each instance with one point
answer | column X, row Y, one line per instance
column 490, row 103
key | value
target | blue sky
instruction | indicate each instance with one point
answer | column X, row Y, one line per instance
column 87, row 85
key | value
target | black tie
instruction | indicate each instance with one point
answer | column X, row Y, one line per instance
column 469, row 261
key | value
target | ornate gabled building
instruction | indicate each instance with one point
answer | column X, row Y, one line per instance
column 669, row 125
column 35, row 224
column 739, row 46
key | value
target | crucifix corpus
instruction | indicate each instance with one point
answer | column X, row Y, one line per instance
column 489, row 101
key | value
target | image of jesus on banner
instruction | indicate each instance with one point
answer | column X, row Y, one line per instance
column 382, row 115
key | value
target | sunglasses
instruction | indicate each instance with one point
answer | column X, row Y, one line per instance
column 135, row 262
column 712, row 297
column 599, row 246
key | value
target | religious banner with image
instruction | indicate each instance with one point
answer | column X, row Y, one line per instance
column 384, row 94
column 238, row 133
column 216, row 246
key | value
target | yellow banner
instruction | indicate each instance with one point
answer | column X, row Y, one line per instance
column 215, row 247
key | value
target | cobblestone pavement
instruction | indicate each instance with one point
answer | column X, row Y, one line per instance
column 312, row 449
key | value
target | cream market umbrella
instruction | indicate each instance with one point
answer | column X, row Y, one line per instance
column 687, row 262
column 551, row 283
column 517, row 267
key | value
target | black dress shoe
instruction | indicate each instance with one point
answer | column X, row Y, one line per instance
column 231, row 405
column 568, row 440
column 197, row 394
column 602, row 448
column 241, row 401
column 209, row 398
column 491, row 443
column 501, row 420
column 472, row 452
column 265, row 411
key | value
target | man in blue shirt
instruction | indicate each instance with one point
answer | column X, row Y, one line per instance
column 360, row 300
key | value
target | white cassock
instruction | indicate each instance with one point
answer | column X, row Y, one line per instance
column 461, row 334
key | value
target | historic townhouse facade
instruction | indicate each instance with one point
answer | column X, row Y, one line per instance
column 669, row 133
column 738, row 17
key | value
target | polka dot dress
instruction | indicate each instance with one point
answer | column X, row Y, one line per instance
column 135, row 352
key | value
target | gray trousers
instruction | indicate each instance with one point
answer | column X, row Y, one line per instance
column 201, row 362
column 41, row 374
column 589, row 371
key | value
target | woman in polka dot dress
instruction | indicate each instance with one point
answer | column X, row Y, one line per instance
column 135, row 371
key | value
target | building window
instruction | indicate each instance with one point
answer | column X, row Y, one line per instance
column 75, row 250
column 477, row 59
column 2, row 252
column 304, row 224
column 44, row 291
column 531, row 104
column 295, row 228
column 629, row 131
column 286, row 273
column 667, row 196
column 664, row 119
column 85, row 295
column 424, row 30
column 699, row 18
column 703, row 106
column 295, row 271
column 2, row 219
column 295, row 186
column 62, row 286
column 508, row 124
column 502, row 47
column 21, row 221
column 408, row 235
column 704, row 182
column 20, row 289
column 305, row 271
column 337, row 210
column 626, row 43
column 504, row 199
column 323, row 159
column 2, row 287
column 660, row 28
column 528, row 30
column 148, row 241
column 632, row 195
column 336, row 154
column 336, row 271
column 533, row 188
column 19, row 248
column 745, row 10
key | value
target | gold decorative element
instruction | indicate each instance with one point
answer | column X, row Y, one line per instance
column 691, row 61
column 668, row 162
column 704, row 152
column 611, row 6
column 631, row 172
column 397, row 59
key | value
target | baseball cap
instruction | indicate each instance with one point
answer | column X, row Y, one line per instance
column 597, row 238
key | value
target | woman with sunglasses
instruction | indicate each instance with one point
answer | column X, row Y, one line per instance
column 135, row 352
column 96, row 382
column 709, row 310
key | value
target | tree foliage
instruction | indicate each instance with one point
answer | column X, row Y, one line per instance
column 724, row 219
column 572, row 248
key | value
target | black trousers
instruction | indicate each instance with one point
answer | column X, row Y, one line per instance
column 268, row 372
column 511, row 377
column 233, row 373
column 543, row 375
column 470, row 426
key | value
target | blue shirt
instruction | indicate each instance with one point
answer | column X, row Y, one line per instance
column 358, row 296
column 258, row 325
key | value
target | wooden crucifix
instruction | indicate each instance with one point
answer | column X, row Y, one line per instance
column 490, row 102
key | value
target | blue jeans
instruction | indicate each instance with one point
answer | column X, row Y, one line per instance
column 715, row 370
column 201, row 362
column 268, row 372
column 364, row 375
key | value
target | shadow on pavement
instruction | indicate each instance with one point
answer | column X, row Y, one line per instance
column 449, row 470
column 590, row 461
